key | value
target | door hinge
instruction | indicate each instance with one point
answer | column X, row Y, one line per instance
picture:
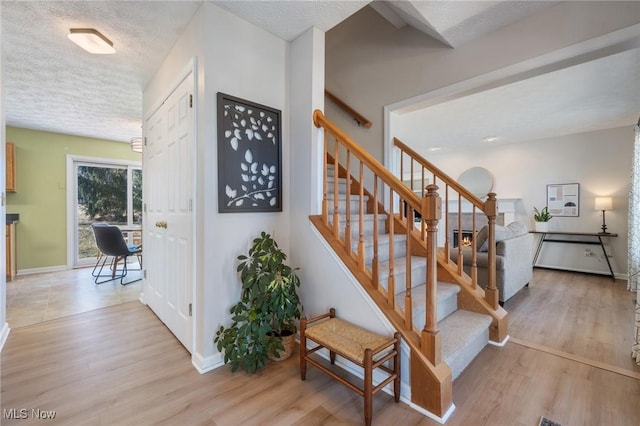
column 190, row 309
column 145, row 141
column 190, row 204
column 144, row 274
column 190, row 101
column 145, row 207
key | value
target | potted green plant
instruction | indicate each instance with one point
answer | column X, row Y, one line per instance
column 542, row 218
column 264, row 319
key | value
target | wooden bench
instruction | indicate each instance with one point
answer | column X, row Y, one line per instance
column 363, row 348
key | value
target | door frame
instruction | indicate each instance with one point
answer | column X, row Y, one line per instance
column 191, row 67
column 72, row 196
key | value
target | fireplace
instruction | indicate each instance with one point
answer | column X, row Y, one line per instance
column 467, row 237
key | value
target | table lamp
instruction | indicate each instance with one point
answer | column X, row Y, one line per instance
column 604, row 204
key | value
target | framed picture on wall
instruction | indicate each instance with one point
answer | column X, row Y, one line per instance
column 249, row 156
column 564, row 199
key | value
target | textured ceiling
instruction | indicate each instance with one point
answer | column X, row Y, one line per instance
column 51, row 84
column 595, row 95
column 290, row 18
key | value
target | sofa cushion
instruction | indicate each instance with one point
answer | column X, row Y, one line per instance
column 514, row 229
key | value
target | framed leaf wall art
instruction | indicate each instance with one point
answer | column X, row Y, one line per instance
column 249, row 156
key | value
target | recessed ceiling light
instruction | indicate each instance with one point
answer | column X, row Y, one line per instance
column 91, row 40
column 490, row 139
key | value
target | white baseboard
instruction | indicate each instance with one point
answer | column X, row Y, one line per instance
column 504, row 342
column 4, row 334
column 41, row 270
column 205, row 364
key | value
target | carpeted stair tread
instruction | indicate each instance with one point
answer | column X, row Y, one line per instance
column 447, row 299
column 418, row 272
column 464, row 335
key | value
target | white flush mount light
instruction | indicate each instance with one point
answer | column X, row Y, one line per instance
column 435, row 148
column 490, row 139
column 91, row 40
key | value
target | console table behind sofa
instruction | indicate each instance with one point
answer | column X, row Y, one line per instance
column 588, row 238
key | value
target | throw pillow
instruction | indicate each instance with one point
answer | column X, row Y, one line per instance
column 513, row 230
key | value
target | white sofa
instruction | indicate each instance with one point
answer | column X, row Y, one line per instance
column 514, row 257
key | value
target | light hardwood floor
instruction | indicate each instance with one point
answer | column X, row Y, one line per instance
column 120, row 366
column 41, row 297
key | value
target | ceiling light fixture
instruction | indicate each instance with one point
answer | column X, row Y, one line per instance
column 136, row 144
column 91, row 40
column 490, row 139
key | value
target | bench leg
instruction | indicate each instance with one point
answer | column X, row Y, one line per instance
column 396, row 368
column 368, row 386
column 303, row 349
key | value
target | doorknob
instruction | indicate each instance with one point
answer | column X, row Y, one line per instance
column 161, row 224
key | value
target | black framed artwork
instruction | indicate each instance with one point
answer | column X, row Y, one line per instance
column 249, row 156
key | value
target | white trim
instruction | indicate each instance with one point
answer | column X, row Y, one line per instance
column 205, row 364
column 4, row 334
column 442, row 420
column 500, row 344
column 42, row 270
column 71, row 161
column 191, row 67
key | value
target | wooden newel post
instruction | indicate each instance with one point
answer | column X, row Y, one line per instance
column 491, row 210
column 432, row 213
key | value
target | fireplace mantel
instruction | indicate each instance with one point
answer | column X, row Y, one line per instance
column 506, row 207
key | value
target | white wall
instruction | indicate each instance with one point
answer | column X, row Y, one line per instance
column 4, row 327
column 371, row 64
column 239, row 59
column 599, row 161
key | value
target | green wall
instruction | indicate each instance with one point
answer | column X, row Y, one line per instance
column 41, row 194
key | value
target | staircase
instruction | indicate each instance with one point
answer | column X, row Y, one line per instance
column 405, row 266
column 464, row 333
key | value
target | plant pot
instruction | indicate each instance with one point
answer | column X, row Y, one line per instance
column 542, row 226
column 288, row 341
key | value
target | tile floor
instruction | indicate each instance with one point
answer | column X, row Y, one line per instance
column 41, row 297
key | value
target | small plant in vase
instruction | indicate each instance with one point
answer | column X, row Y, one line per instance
column 542, row 218
column 264, row 320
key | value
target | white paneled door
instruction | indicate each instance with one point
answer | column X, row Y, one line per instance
column 168, row 220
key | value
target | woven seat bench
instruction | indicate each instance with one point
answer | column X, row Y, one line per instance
column 363, row 348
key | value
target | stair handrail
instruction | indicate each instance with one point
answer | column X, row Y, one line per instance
column 360, row 119
column 489, row 208
column 320, row 120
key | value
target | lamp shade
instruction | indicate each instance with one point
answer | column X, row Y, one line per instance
column 91, row 40
column 136, row 144
column 604, row 203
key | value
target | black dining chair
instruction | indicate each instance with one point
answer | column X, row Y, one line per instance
column 111, row 243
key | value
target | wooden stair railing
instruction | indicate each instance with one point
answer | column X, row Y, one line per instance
column 429, row 375
column 360, row 119
column 458, row 201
